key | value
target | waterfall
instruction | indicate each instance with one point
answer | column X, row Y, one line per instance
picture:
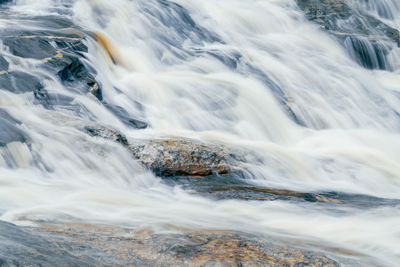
column 313, row 109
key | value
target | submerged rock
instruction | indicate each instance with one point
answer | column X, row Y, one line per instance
column 3, row 64
column 10, row 133
column 124, row 117
column 18, row 82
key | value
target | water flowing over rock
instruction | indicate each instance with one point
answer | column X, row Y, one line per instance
column 199, row 133
column 362, row 34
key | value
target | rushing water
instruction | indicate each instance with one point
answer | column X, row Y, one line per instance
column 255, row 75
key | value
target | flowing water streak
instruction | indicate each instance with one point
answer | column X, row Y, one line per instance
column 251, row 74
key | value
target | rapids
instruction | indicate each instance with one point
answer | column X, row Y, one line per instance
column 255, row 75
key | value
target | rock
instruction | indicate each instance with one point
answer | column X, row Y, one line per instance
column 30, row 47
column 77, row 75
column 328, row 14
column 344, row 22
column 185, row 157
column 3, row 64
column 10, row 133
column 106, row 133
column 367, row 54
column 4, row 115
column 115, row 246
column 18, row 82
column 124, row 117
column 61, row 52
column 18, row 247
column 176, row 156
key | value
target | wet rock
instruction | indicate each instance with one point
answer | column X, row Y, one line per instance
column 185, row 157
column 114, row 246
column 106, row 133
column 21, row 248
column 123, row 115
column 343, row 21
column 25, row 47
column 329, row 13
column 18, row 82
column 4, row 115
column 77, row 75
column 236, row 187
column 3, row 64
column 366, row 53
column 61, row 53
column 10, row 133
column 176, row 156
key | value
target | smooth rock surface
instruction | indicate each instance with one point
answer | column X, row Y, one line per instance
column 115, row 246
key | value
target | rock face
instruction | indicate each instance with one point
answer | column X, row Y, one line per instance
column 366, row 38
column 95, row 245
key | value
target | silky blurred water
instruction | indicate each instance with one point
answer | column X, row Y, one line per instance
column 254, row 75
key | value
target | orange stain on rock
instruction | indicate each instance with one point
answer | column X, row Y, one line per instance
column 107, row 46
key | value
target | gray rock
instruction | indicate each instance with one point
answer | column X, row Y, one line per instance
column 21, row 248
column 185, row 157
column 10, row 133
column 3, row 64
column 176, row 156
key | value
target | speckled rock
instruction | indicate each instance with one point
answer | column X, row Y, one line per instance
column 176, row 156
column 186, row 157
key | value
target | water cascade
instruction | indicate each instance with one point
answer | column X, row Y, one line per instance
column 275, row 118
